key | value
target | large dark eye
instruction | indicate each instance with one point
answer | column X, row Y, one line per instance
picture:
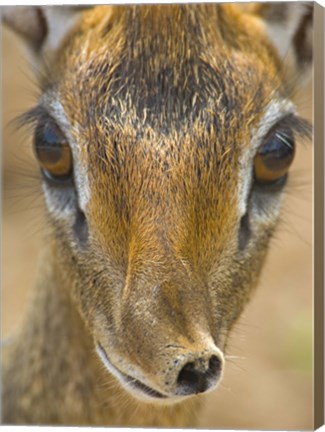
column 53, row 152
column 274, row 157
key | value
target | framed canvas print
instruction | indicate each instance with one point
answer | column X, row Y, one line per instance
column 163, row 215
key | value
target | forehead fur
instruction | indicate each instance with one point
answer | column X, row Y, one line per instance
column 163, row 99
column 166, row 66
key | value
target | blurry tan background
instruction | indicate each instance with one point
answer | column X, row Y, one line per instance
column 268, row 382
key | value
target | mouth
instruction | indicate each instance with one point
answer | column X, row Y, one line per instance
column 133, row 385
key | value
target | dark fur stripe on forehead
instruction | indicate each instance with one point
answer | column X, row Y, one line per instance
column 170, row 97
column 174, row 67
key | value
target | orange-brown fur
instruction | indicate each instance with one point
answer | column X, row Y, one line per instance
column 162, row 101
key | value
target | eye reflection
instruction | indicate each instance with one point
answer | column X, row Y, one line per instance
column 274, row 157
column 52, row 151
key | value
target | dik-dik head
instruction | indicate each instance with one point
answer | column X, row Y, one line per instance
column 164, row 136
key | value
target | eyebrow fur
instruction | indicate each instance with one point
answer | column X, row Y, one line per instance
column 300, row 126
column 31, row 117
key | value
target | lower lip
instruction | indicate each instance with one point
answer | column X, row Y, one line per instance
column 148, row 391
column 132, row 382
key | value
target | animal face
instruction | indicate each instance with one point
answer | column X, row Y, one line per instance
column 165, row 136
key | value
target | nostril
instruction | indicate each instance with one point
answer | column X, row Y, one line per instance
column 214, row 366
column 192, row 379
column 187, row 374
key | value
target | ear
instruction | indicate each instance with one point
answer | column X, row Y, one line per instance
column 289, row 25
column 43, row 28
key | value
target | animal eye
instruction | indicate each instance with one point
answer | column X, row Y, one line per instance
column 274, row 157
column 53, row 152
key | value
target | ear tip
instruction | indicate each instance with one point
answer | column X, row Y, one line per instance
column 27, row 21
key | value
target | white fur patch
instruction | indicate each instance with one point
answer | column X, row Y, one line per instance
column 80, row 171
column 137, row 394
column 273, row 113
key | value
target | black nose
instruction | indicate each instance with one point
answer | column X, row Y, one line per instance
column 193, row 378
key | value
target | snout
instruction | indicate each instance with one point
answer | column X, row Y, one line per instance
column 164, row 347
column 183, row 374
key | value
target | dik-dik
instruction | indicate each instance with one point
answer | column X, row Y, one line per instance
column 164, row 137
